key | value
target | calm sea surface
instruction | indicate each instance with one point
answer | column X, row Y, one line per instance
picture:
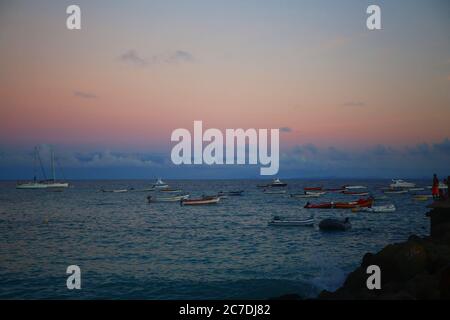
column 129, row 249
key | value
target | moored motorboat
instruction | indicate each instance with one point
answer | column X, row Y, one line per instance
column 381, row 208
column 350, row 187
column 312, row 188
column 355, row 193
column 231, row 193
column 422, row 197
column 151, row 198
column 393, row 191
column 324, row 205
column 399, row 183
column 160, row 184
column 200, row 201
column 120, row 191
column 303, row 195
column 143, row 190
column 361, row 203
column 315, row 193
column 268, row 191
column 276, row 221
column 334, row 189
column 335, row 224
column 115, row 190
column 168, row 190
column 278, row 183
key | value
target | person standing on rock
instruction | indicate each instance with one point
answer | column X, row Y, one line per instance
column 435, row 187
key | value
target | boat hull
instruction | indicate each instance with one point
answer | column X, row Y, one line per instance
column 199, row 202
column 152, row 199
column 40, row 185
column 292, row 223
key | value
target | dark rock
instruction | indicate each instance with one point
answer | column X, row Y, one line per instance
column 289, row 296
column 416, row 269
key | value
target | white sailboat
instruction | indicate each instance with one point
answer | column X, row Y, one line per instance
column 44, row 184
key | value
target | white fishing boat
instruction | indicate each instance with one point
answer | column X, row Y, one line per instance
column 382, row 208
column 151, row 199
column 277, row 183
column 276, row 221
column 399, row 183
column 43, row 184
column 160, row 184
column 354, row 187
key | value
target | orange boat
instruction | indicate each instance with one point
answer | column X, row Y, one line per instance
column 361, row 203
column 312, row 188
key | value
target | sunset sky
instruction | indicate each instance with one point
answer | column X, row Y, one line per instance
column 350, row 102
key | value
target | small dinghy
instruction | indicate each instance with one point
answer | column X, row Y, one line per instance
column 120, row 191
column 168, row 190
column 399, row 183
column 348, row 187
column 324, row 205
column 422, row 197
column 303, row 195
column 231, row 193
column 335, row 225
column 383, row 208
column 355, row 193
column 276, row 221
column 274, row 191
column 201, row 201
column 335, row 189
column 115, row 191
column 315, row 193
column 152, row 199
column 143, row 190
column 361, row 203
column 312, row 188
column 395, row 191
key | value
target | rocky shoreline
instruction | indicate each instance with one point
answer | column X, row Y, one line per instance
column 416, row 269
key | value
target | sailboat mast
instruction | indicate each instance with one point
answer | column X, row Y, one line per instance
column 53, row 166
column 35, row 164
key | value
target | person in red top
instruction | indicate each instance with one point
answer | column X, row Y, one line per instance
column 435, row 188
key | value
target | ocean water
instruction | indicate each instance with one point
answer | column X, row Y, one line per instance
column 129, row 249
